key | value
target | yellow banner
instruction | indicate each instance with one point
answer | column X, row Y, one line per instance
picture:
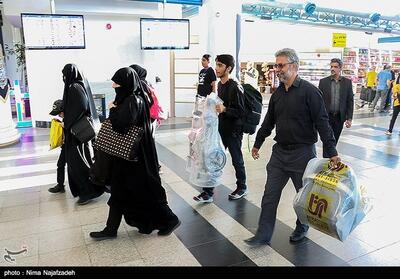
column 339, row 39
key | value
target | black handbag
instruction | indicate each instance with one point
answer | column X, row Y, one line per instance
column 83, row 129
column 124, row 146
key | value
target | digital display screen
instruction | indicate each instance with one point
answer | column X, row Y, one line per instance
column 157, row 33
column 51, row 31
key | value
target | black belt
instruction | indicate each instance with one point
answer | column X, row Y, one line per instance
column 334, row 113
column 292, row 146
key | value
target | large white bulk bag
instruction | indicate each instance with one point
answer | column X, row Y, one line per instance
column 330, row 201
column 207, row 156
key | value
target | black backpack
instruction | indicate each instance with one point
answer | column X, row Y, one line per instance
column 252, row 109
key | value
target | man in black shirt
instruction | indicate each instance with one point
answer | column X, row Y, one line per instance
column 207, row 77
column 230, row 125
column 297, row 110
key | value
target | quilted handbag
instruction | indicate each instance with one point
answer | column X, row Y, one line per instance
column 124, row 146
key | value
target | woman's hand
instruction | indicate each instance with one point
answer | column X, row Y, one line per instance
column 220, row 108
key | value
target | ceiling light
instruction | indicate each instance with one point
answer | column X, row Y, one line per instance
column 375, row 17
column 309, row 8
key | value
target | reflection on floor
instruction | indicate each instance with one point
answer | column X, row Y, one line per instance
column 50, row 229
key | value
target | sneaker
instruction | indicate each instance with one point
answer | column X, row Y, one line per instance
column 57, row 189
column 388, row 133
column 298, row 235
column 203, row 197
column 238, row 194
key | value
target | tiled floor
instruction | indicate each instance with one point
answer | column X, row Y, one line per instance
column 51, row 230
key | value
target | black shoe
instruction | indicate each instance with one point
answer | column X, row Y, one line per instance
column 254, row 241
column 83, row 200
column 57, row 189
column 145, row 231
column 102, row 235
column 169, row 230
column 298, row 235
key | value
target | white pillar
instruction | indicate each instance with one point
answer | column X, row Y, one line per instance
column 8, row 133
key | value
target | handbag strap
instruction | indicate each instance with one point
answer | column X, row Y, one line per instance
column 87, row 112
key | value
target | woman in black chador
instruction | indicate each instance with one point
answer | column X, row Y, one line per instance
column 76, row 105
column 136, row 190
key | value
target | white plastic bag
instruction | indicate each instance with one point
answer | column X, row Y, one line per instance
column 207, row 156
column 331, row 201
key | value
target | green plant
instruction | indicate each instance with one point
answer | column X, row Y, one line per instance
column 19, row 51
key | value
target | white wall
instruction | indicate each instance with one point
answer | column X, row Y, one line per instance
column 261, row 39
column 106, row 51
column 221, row 22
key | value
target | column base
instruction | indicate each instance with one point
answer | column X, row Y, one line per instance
column 8, row 136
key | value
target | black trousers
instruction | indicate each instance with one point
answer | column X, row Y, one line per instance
column 233, row 143
column 396, row 111
column 61, row 167
column 284, row 164
column 336, row 125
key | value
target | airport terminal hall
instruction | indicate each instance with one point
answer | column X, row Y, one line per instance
column 198, row 133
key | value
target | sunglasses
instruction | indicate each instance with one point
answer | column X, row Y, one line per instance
column 281, row 65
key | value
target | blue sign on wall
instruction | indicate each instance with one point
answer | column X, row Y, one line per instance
column 389, row 40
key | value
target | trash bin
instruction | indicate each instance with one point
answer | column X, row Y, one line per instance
column 100, row 103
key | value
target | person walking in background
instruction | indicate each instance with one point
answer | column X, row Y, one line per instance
column 58, row 110
column 77, row 154
column 337, row 92
column 207, row 78
column 297, row 110
column 389, row 95
column 136, row 189
column 230, row 126
column 382, row 89
column 370, row 83
column 396, row 105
